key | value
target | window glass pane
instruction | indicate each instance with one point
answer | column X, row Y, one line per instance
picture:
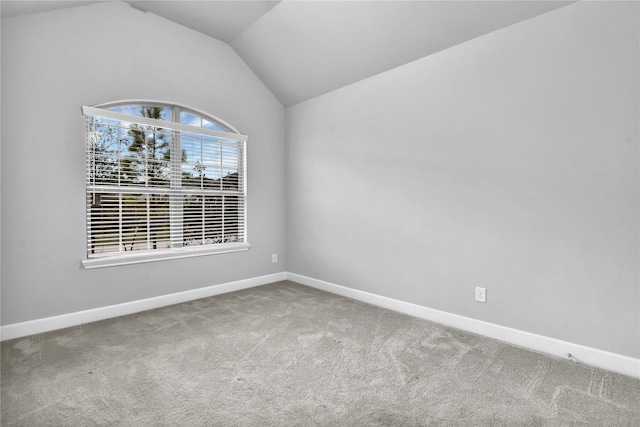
column 211, row 125
column 211, row 178
column 230, row 155
column 128, row 222
column 133, row 110
column 216, row 220
column 191, row 147
column 134, row 222
column 196, row 120
column 192, row 220
column 150, row 111
column 104, row 217
column 221, row 219
column 158, row 157
column 130, row 168
column 145, row 222
column 159, row 230
column 103, row 153
column 190, row 119
column 211, row 152
column 232, row 218
column 191, row 176
column 230, row 180
column 149, row 154
column 214, row 231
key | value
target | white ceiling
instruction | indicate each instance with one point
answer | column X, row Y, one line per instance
column 9, row 8
column 223, row 20
column 302, row 49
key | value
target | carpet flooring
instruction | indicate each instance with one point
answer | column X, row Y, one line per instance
column 288, row 355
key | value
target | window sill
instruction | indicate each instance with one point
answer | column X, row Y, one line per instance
column 137, row 258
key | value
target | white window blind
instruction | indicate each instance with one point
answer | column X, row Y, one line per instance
column 162, row 181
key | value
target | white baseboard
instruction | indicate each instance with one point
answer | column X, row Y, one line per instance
column 588, row 355
column 17, row 330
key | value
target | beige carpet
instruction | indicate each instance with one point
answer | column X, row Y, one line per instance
column 289, row 355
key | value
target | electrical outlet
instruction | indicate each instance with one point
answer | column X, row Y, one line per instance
column 274, row 258
column 481, row 294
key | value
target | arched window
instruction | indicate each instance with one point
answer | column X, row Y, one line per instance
column 163, row 181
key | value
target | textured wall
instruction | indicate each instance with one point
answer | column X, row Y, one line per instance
column 509, row 161
column 54, row 62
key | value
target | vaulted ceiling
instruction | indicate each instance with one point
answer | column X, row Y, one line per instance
column 302, row 49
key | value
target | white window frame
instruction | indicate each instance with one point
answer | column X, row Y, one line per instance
column 175, row 189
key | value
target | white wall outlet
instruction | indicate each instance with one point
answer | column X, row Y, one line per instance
column 481, row 294
column 274, row 258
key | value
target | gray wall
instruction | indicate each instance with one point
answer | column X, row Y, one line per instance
column 52, row 63
column 509, row 161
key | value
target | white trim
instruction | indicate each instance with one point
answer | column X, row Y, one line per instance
column 591, row 356
column 136, row 189
column 106, row 114
column 152, row 102
column 176, row 253
column 17, row 330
